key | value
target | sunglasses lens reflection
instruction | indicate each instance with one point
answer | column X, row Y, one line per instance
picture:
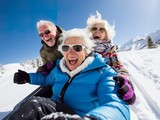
column 96, row 29
column 65, row 48
column 77, row 48
column 45, row 32
column 102, row 29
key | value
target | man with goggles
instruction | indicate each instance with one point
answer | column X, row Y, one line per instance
column 49, row 34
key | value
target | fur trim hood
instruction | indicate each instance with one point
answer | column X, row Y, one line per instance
column 64, row 68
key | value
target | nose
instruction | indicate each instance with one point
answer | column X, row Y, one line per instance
column 45, row 36
column 98, row 30
column 71, row 50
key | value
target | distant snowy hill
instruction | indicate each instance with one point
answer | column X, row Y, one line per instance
column 140, row 42
column 25, row 65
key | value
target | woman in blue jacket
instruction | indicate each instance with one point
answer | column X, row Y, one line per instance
column 80, row 80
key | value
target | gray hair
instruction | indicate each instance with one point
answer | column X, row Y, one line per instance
column 81, row 33
column 45, row 22
column 96, row 19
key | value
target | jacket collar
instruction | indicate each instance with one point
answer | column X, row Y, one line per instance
column 64, row 68
column 91, row 62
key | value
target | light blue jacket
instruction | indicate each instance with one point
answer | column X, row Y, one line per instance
column 91, row 92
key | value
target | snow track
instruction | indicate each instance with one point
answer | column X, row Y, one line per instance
column 145, row 81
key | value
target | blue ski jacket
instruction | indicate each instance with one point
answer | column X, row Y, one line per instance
column 91, row 92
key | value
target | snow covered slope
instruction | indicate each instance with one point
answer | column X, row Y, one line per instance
column 144, row 67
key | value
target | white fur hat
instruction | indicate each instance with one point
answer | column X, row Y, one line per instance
column 97, row 19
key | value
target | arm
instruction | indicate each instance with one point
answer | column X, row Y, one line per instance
column 110, row 105
column 46, row 68
column 126, row 89
column 115, row 63
column 22, row 77
column 41, row 79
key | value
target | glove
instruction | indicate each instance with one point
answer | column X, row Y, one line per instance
column 62, row 116
column 46, row 68
column 21, row 77
column 126, row 89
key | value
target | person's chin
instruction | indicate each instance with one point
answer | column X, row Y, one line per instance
column 72, row 67
column 50, row 44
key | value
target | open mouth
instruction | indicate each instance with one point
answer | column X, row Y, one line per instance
column 72, row 61
column 49, row 39
column 96, row 37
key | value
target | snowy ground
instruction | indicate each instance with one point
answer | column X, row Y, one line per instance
column 143, row 65
column 12, row 93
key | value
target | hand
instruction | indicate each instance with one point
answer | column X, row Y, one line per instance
column 21, row 77
column 46, row 68
column 126, row 89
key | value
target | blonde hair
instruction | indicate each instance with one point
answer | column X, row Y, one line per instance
column 81, row 33
column 97, row 19
column 45, row 22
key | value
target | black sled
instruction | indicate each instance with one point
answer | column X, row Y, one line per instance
column 40, row 91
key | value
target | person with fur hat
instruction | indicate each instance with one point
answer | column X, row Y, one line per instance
column 102, row 35
column 82, row 84
column 49, row 34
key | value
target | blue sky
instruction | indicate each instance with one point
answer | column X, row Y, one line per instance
column 19, row 40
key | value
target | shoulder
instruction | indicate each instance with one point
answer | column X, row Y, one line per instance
column 101, row 64
column 99, row 59
column 108, row 70
column 59, row 29
column 42, row 50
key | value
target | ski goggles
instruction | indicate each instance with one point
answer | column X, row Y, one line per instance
column 98, row 29
column 76, row 48
column 46, row 32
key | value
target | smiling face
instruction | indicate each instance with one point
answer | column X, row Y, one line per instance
column 73, row 58
column 98, row 32
column 48, row 34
